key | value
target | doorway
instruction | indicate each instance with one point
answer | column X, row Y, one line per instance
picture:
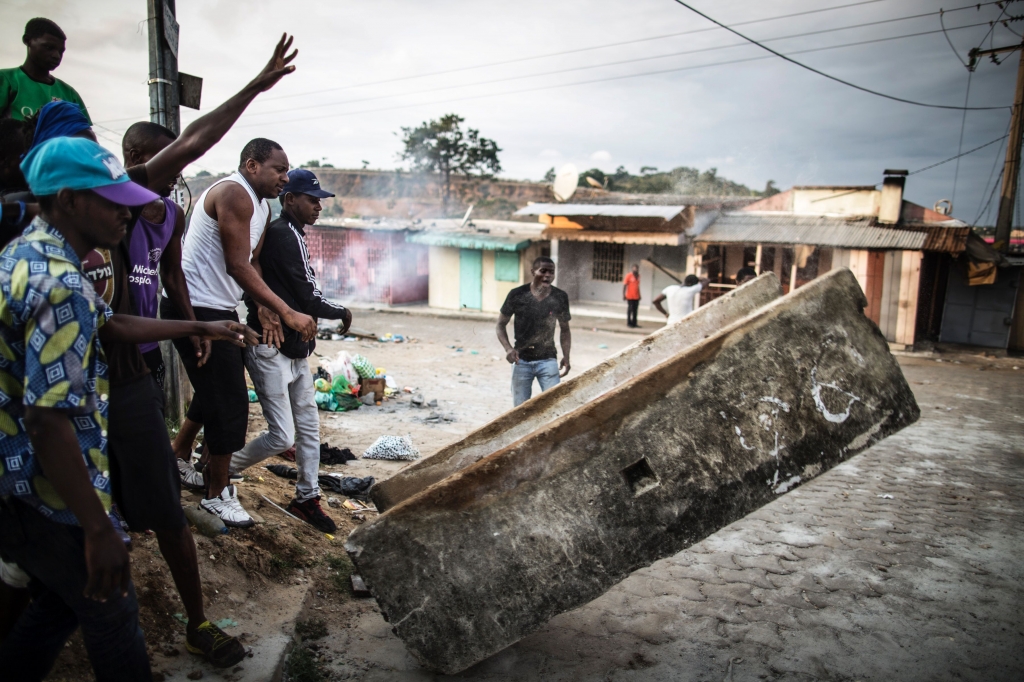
column 471, row 272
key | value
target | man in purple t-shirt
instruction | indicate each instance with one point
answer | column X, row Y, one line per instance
column 154, row 250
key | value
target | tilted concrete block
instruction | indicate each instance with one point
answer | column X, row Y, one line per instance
column 577, row 391
column 486, row 556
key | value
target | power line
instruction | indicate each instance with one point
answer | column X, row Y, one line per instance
column 954, row 158
column 829, row 76
column 995, row 163
column 605, row 46
column 942, row 23
column 963, row 124
column 615, row 63
column 586, row 82
column 580, row 49
column 988, row 204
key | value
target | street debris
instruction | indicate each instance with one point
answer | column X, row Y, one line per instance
column 280, row 508
column 206, row 523
column 348, row 381
column 359, row 587
column 392, row 447
column 346, row 485
column 330, row 455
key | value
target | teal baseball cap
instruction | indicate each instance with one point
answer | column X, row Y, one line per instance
column 78, row 163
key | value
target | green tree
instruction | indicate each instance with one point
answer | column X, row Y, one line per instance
column 770, row 189
column 550, row 175
column 442, row 147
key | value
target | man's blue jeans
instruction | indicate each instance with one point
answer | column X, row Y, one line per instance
column 54, row 555
column 523, row 373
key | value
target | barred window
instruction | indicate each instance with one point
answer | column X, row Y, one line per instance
column 608, row 260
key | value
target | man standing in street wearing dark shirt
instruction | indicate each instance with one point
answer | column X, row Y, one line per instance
column 537, row 306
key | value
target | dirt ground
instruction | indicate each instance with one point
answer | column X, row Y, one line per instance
column 250, row 576
column 766, row 598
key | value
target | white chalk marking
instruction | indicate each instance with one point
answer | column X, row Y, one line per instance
column 743, row 443
column 786, row 485
column 775, row 401
column 834, row 417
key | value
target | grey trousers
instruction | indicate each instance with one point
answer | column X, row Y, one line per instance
column 285, row 389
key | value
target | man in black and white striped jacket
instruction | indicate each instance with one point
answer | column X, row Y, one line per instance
column 278, row 367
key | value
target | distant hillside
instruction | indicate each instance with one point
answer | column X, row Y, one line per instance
column 682, row 180
column 400, row 194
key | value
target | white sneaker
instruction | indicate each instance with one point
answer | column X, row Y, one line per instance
column 228, row 508
column 190, row 478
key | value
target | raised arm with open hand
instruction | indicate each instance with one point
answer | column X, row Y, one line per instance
column 206, row 131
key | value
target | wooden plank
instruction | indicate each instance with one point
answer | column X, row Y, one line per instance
column 876, row 275
column 910, row 278
column 890, row 295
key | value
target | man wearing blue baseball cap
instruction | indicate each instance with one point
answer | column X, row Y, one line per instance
column 279, row 367
column 55, row 482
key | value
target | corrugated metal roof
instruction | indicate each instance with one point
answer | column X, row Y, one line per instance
column 786, row 228
column 608, row 210
column 470, row 240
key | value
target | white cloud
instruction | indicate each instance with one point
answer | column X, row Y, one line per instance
column 371, row 68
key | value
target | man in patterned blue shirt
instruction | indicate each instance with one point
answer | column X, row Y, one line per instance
column 54, row 477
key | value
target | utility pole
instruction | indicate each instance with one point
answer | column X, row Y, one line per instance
column 164, row 94
column 1011, row 168
column 163, row 65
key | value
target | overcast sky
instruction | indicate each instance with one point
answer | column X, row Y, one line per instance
column 753, row 120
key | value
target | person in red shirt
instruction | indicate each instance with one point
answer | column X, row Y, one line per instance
column 631, row 294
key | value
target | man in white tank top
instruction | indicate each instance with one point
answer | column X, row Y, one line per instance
column 220, row 260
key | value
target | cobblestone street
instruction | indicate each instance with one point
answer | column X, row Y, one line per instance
column 901, row 564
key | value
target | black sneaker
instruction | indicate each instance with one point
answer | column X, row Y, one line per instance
column 219, row 648
column 310, row 512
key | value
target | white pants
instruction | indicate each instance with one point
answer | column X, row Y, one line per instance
column 285, row 389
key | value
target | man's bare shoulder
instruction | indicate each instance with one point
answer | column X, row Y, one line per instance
column 228, row 198
column 230, row 192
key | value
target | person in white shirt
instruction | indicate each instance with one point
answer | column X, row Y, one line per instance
column 680, row 298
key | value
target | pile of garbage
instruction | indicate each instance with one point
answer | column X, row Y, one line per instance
column 349, row 380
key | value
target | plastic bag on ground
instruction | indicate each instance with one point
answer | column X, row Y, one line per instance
column 341, row 366
column 363, row 367
column 392, row 447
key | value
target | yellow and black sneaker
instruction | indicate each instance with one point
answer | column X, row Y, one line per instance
column 219, row 648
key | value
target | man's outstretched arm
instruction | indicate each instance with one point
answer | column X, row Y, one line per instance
column 206, row 131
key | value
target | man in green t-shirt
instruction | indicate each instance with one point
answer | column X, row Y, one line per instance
column 25, row 88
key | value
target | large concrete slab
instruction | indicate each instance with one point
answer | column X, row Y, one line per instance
column 479, row 560
column 577, row 391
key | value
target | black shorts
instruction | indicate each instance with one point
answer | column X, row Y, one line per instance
column 143, row 471
column 154, row 359
column 221, row 401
